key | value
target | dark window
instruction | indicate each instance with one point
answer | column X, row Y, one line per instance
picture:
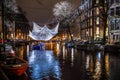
column 90, row 4
column 117, row 1
column 112, row 24
column 112, row 1
column 117, row 37
column 118, row 11
column 113, row 37
column 112, row 12
column 117, row 24
column 101, row 1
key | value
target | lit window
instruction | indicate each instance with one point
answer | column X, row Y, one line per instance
column 91, row 22
column 91, row 31
column 91, row 12
column 97, row 30
column 105, row 1
column 97, row 21
column 97, row 1
column 97, row 10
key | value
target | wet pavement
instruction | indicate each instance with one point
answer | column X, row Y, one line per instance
column 72, row 64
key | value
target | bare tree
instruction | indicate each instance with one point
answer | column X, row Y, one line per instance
column 62, row 12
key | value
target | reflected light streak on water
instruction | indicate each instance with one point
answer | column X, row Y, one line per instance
column 64, row 52
column 57, row 50
column 99, row 56
column 28, row 50
column 21, row 55
column 31, row 58
column 97, row 73
column 44, row 66
column 91, row 64
column 107, row 64
column 51, row 45
column 72, row 57
column 87, row 61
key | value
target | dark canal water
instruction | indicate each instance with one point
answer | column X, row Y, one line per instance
column 60, row 63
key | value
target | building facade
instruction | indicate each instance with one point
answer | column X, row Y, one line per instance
column 114, row 20
column 13, row 26
column 0, row 22
column 92, row 19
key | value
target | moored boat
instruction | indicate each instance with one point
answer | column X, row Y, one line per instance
column 70, row 44
column 40, row 46
column 14, row 65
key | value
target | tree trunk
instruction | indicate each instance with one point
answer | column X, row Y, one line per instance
column 69, row 30
column 2, row 6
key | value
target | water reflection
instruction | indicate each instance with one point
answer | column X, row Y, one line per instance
column 72, row 57
column 72, row 64
column 97, row 73
column 43, row 65
column 87, row 62
column 85, row 65
column 64, row 52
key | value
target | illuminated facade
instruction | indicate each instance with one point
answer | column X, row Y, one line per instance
column 22, row 27
column 114, row 21
column 92, row 19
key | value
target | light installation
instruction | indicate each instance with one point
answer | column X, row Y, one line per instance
column 43, row 33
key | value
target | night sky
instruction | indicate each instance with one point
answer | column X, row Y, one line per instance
column 41, row 11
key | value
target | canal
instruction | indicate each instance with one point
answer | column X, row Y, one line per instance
column 60, row 63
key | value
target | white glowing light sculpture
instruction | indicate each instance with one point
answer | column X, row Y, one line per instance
column 43, row 33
